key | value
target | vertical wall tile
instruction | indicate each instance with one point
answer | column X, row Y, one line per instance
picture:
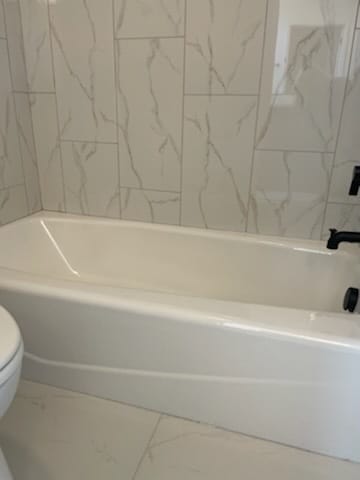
column 342, row 217
column 11, row 172
column 16, row 45
column 82, row 38
column 308, row 46
column 149, row 18
column 12, row 204
column 348, row 149
column 149, row 93
column 91, row 179
column 46, row 133
column 150, row 206
column 35, row 25
column 28, row 151
column 2, row 22
column 289, row 192
column 224, row 46
column 218, row 143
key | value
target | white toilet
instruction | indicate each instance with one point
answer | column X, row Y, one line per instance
column 11, row 354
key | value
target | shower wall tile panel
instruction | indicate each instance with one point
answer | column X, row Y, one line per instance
column 306, row 60
column 224, row 46
column 150, row 100
column 149, row 18
column 237, row 115
column 36, row 34
column 82, row 39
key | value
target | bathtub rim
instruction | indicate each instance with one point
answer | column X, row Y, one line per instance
column 232, row 316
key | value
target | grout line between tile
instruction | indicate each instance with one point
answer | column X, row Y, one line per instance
column 56, row 104
column 151, row 37
column 147, row 447
column 116, row 106
column 183, row 116
column 13, row 98
column 257, row 113
column 344, row 204
column 30, row 92
column 312, row 152
column 220, row 94
column 13, row 186
column 352, row 53
column 68, row 140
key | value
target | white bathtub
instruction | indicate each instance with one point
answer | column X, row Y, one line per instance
column 240, row 331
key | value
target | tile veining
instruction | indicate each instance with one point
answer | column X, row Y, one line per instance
column 150, row 206
column 152, row 78
column 83, row 57
column 213, row 30
column 289, row 193
column 217, row 159
column 149, row 83
column 303, row 86
column 36, row 35
column 149, row 18
column 91, row 178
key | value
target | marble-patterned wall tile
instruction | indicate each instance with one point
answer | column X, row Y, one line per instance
column 358, row 20
column 306, row 58
column 11, row 172
column 341, row 217
column 224, row 46
column 46, row 133
column 35, row 26
column 218, row 145
column 82, row 39
column 149, row 18
column 289, row 193
column 348, row 148
column 150, row 206
column 28, row 151
column 149, row 96
column 91, row 177
column 12, row 204
column 2, row 22
column 16, row 45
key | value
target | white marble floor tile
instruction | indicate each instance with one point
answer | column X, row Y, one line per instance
column 53, row 434
column 182, row 450
column 149, row 18
column 224, row 46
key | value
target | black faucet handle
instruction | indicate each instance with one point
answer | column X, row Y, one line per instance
column 333, row 231
column 355, row 183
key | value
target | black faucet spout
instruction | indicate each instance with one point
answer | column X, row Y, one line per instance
column 339, row 237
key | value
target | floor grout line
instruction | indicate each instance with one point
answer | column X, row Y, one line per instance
column 147, row 447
